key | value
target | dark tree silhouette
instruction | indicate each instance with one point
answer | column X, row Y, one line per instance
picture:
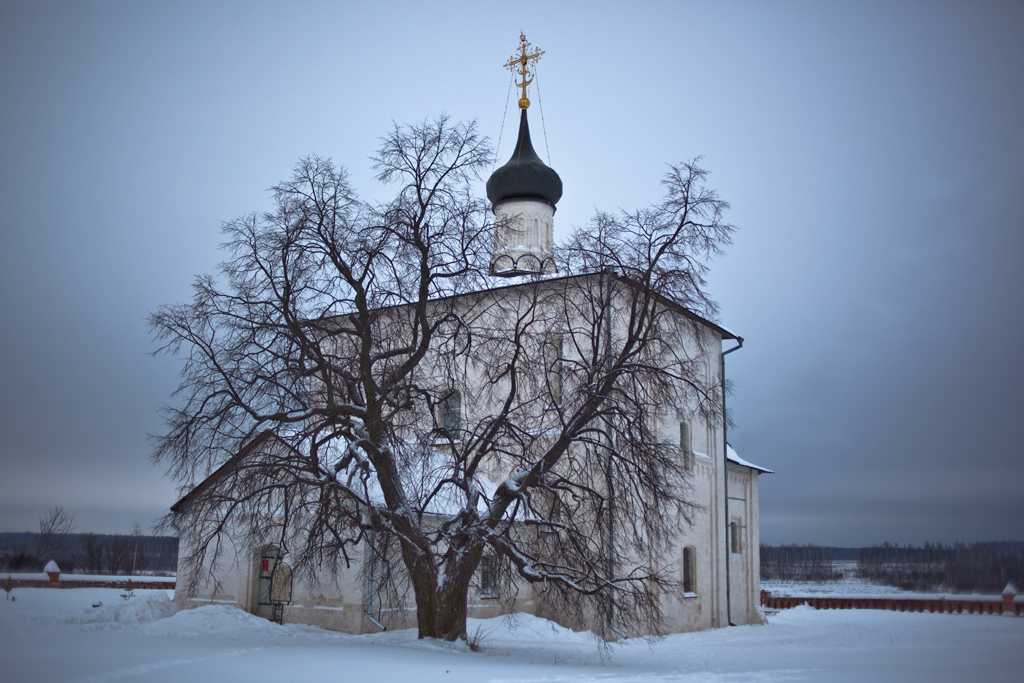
column 353, row 372
column 52, row 544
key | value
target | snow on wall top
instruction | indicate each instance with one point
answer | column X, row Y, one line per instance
column 732, row 457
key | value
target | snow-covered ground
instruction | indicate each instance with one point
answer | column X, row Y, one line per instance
column 57, row 635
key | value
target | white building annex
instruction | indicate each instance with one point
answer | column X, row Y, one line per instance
column 715, row 556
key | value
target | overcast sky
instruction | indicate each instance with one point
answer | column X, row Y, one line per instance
column 873, row 154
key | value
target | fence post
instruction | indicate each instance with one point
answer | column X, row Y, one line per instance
column 1009, row 593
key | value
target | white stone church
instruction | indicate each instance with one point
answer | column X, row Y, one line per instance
column 716, row 556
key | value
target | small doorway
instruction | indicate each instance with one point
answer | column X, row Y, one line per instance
column 266, row 562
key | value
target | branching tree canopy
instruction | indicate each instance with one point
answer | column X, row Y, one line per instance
column 54, row 528
column 353, row 371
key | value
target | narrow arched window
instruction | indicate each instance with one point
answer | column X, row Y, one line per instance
column 735, row 540
column 556, row 371
column 451, row 413
column 685, row 446
column 689, row 570
column 488, row 584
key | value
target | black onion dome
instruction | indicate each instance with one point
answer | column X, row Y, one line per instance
column 525, row 176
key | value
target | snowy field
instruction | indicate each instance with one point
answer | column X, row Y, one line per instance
column 852, row 587
column 57, row 635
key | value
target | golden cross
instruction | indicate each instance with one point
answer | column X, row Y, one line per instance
column 522, row 63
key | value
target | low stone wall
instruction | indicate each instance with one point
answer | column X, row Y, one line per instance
column 121, row 583
column 996, row 605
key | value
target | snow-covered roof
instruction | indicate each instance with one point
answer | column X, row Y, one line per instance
column 726, row 333
column 731, row 455
column 424, row 476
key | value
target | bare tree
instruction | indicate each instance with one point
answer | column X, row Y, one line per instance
column 54, row 528
column 117, row 554
column 137, row 557
column 92, row 554
column 355, row 374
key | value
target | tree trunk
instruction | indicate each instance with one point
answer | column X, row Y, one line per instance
column 442, row 605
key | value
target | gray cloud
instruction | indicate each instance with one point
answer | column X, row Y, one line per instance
column 873, row 154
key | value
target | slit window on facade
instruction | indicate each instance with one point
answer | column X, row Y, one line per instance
column 689, row 569
column 451, row 413
column 487, row 587
column 685, row 446
column 556, row 376
column 735, row 541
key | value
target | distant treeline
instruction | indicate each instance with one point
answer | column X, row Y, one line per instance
column 959, row 568
column 797, row 563
column 89, row 553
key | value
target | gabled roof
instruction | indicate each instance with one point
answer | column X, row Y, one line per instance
column 675, row 305
column 227, row 468
column 443, row 503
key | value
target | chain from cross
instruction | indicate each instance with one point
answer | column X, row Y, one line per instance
column 522, row 63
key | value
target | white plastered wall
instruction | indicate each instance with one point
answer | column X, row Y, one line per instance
column 340, row 603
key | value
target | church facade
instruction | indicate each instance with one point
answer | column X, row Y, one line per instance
column 715, row 557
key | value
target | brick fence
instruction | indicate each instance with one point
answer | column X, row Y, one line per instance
column 137, row 585
column 943, row 605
